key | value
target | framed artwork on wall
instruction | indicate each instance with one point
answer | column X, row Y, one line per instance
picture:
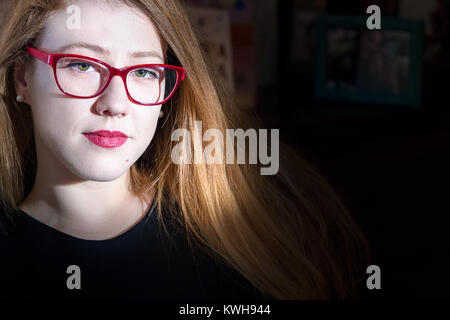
column 355, row 64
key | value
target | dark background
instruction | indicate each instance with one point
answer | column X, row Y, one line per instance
column 390, row 164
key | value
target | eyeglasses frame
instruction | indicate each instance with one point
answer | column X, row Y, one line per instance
column 53, row 58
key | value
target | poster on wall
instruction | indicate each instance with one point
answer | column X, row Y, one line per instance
column 243, row 58
column 212, row 27
column 377, row 67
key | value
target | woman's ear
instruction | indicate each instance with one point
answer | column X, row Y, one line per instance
column 20, row 82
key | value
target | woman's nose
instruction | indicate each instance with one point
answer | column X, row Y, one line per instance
column 114, row 100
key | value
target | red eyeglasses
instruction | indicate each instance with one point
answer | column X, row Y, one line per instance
column 85, row 77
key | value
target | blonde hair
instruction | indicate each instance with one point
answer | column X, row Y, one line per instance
column 288, row 234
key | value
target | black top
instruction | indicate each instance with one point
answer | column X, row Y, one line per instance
column 139, row 264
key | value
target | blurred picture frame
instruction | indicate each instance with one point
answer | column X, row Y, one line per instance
column 355, row 64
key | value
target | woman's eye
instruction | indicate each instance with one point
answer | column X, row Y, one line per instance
column 142, row 73
column 81, row 66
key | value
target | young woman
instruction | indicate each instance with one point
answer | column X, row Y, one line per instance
column 79, row 208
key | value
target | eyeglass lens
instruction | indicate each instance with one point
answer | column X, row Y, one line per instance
column 85, row 78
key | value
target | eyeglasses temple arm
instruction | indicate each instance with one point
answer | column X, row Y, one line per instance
column 183, row 74
column 44, row 57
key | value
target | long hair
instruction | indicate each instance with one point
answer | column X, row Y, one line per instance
column 288, row 234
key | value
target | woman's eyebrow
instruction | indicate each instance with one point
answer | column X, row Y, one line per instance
column 104, row 51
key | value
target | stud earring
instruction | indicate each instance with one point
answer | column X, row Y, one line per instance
column 161, row 114
column 19, row 98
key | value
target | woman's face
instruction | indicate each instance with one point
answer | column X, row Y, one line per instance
column 60, row 121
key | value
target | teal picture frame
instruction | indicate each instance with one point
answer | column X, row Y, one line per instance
column 411, row 98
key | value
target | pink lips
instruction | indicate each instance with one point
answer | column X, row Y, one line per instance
column 107, row 139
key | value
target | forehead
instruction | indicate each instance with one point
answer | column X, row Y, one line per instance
column 113, row 25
